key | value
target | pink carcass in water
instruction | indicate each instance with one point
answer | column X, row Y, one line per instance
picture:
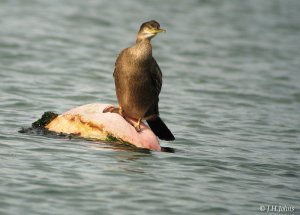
column 88, row 121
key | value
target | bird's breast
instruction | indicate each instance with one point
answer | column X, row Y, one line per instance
column 134, row 87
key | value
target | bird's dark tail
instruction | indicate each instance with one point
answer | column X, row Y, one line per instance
column 160, row 129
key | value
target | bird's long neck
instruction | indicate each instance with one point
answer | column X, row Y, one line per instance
column 143, row 48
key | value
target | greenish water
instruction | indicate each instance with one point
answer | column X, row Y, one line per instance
column 231, row 96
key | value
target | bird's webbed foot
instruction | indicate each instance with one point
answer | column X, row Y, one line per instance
column 112, row 109
column 135, row 124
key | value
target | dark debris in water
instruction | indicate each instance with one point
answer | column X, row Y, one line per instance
column 38, row 127
column 46, row 118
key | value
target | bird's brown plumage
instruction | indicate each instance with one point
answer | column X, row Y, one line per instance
column 138, row 81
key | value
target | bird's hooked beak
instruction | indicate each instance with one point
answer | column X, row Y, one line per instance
column 156, row 31
column 149, row 33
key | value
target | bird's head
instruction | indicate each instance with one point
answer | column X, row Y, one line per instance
column 149, row 29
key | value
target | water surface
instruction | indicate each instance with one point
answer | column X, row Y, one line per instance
column 231, row 96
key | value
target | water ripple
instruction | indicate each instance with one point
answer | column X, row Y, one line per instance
column 230, row 95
